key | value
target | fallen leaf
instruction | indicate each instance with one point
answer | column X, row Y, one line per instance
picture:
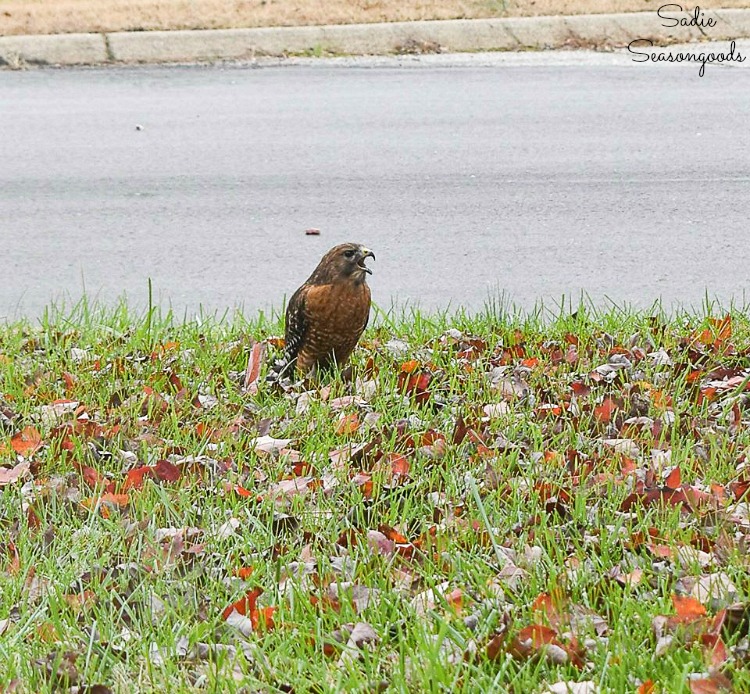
column 254, row 364
column 10, row 475
column 27, row 441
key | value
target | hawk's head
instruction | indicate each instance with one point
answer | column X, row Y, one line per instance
column 346, row 261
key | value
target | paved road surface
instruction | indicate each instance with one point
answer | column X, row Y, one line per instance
column 535, row 176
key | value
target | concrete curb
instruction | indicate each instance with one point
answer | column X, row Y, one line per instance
column 461, row 35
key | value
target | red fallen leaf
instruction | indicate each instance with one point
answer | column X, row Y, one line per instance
column 661, row 400
column 244, row 572
column 79, row 602
column 717, row 651
column 14, row 564
column 740, row 488
column 176, row 383
column 548, row 490
column 603, row 413
column 105, row 501
column 33, row 519
column 134, row 478
column 455, row 599
column 262, row 620
column 662, row 551
column 576, row 653
column 550, row 410
column 91, row 476
column 707, row 394
column 27, row 441
column 495, row 648
column 460, row 430
column 538, row 633
column 254, row 363
column 166, row 471
column 571, row 356
column 718, row 622
column 580, row 389
column 550, row 606
column 364, row 482
column 415, row 384
column 688, row 609
column 530, row 363
column 713, row 684
column 120, row 500
column 530, row 639
column 302, row 468
column 696, row 498
column 348, row 424
column 241, row 491
column 663, row 497
column 403, row 546
column 153, row 403
column 628, row 467
column 674, row 479
column 246, row 604
column 648, row 687
column 722, row 327
column 70, row 381
column 393, row 534
column 409, row 366
column 399, row 464
column 431, row 436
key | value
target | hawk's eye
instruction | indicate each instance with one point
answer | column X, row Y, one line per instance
column 349, row 254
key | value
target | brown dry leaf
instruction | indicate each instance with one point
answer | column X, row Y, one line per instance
column 27, row 441
column 428, row 600
column 347, row 424
column 10, row 475
column 587, row 687
column 361, row 635
column 166, row 471
column 60, row 669
column 529, row 640
column 711, row 684
column 254, row 363
column 268, row 444
column 688, row 609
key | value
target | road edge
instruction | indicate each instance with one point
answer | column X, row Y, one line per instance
column 444, row 36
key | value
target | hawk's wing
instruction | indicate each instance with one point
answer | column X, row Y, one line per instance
column 296, row 325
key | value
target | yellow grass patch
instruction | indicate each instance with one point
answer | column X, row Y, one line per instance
column 66, row 16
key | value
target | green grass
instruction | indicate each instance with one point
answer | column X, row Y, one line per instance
column 139, row 611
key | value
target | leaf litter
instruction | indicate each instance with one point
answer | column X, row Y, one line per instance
column 516, row 496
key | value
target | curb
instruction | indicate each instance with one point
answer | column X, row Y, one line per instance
column 458, row 35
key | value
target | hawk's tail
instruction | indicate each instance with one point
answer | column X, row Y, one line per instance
column 281, row 369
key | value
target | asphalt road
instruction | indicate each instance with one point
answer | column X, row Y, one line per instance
column 531, row 176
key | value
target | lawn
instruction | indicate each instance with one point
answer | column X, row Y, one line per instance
column 65, row 16
column 498, row 502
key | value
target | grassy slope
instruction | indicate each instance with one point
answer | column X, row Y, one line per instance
column 64, row 16
column 107, row 581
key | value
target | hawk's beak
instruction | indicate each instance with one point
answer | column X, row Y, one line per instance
column 366, row 253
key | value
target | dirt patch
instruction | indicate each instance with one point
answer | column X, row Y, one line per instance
column 67, row 16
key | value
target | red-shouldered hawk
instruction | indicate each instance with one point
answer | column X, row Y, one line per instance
column 327, row 315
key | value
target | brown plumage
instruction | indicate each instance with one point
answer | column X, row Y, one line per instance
column 327, row 315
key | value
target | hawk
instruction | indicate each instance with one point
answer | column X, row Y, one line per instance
column 327, row 315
